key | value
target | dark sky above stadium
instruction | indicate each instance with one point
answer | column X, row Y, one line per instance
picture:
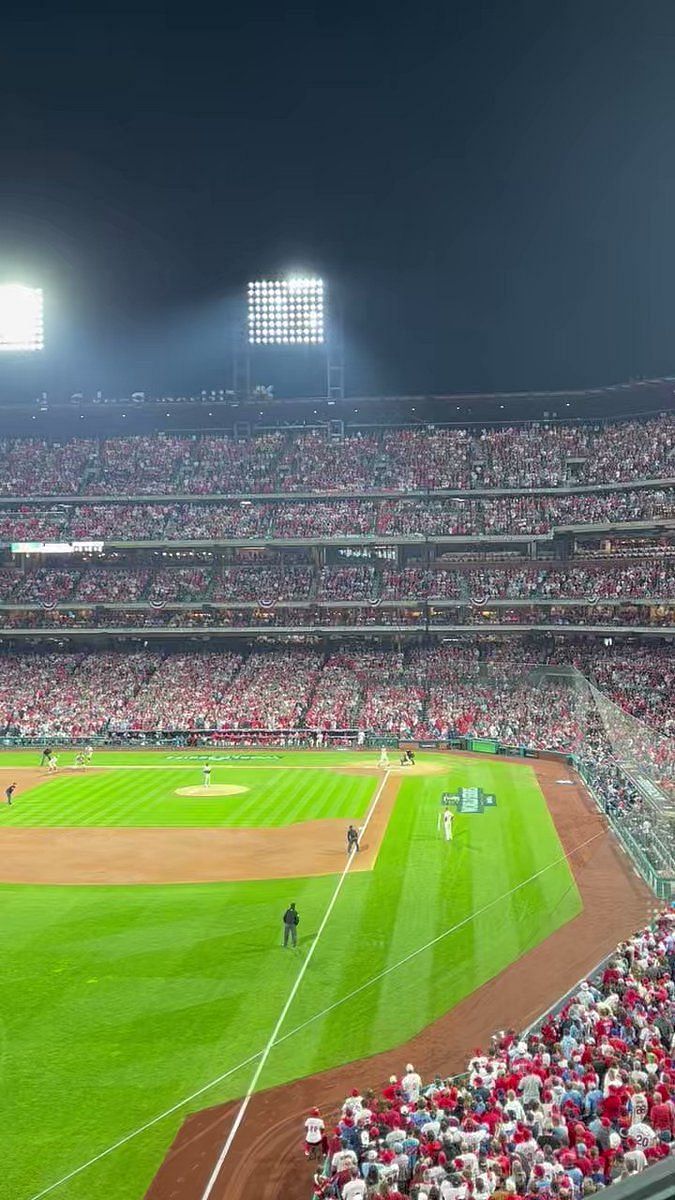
column 492, row 185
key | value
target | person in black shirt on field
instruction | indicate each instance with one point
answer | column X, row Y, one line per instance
column 9, row 792
column 291, row 922
column 46, row 755
column 352, row 839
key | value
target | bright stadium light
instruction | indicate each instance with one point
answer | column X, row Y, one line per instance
column 286, row 312
column 21, row 318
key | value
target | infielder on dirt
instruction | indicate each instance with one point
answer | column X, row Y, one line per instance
column 352, row 839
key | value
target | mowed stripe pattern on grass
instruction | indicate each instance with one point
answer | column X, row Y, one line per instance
column 422, row 887
column 147, row 798
column 129, row 998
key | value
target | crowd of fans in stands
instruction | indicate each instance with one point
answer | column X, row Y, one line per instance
column 277, row 614
column 482, row 689
column 539, row 455
column 515, row 516
column 584, row 1100
column 649, row 579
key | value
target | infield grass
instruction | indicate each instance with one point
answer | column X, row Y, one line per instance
column 147, row 797
column 116, row 1002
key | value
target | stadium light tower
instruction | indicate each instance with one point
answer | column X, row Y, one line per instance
column 285, row 314
column 21, row 318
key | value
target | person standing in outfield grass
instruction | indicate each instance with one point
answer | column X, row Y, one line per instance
column 207, row 775
column 448, row 817
column 46, row 755
column 9, row 792
column 352, row 839
column 291, row 922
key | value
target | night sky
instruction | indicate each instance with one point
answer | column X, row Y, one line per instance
column 492, row 186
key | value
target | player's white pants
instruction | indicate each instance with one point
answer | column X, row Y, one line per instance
column 448, row 833
column 207, row 781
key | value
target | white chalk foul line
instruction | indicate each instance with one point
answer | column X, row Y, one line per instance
column 213, row 1178
column 310, row 1020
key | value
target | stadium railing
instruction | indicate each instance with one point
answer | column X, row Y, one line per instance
column 628, row 770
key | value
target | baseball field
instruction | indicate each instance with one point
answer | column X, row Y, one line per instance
column 143, row 971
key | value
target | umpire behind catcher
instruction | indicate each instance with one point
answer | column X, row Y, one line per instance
column 291, row 922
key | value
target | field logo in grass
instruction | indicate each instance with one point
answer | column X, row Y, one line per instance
column 469, row 800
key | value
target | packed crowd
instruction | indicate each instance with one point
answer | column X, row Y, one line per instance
column 179, row 584
column 99, row 585
column 400, row 459
column 485, row 689
column 512, row 709
column 372, row 689
column 560, row 1113
column 185, row 692
column 74, row 694
column 640, row 683
column 114, row 582
column 264, row 585
column 348, row 583
column 644, row 827
column 324, row 519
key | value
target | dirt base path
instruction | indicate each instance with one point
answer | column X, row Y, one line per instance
column 266, row 1161
column 24, row 778
column 96, row 855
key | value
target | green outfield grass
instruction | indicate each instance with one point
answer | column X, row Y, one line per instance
column 117, row 1002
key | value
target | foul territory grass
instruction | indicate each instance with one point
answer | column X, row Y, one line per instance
column 117, row 1002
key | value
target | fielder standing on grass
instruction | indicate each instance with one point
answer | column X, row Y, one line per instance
column 291, row 922
column 207, row 774
column 448, row 817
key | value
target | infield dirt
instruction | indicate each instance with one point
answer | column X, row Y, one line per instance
column 103, row 855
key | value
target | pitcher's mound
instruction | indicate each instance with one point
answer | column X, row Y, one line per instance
column 216, row 789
